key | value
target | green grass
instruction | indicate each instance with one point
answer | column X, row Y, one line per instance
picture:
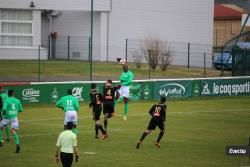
column 19, row 68
column 196, row 135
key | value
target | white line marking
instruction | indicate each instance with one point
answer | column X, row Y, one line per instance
column 49, row 124
column 90, row 153
column 49, row 134
column 142, row 114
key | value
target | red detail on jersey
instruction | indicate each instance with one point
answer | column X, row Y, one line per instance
column 108, row 97
column 156, row 114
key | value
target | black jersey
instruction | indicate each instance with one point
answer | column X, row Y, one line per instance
column 96, row 98
column 158, row 111
column 109, row 94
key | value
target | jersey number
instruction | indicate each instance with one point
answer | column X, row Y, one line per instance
column 109, row 92
column 157, row 111
column 13, row 107
column 97, row 99
column 69, row 103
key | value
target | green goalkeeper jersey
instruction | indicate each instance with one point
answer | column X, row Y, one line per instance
column 12, row 106
column 4, row 97
column 68, row 103
column 126, row 78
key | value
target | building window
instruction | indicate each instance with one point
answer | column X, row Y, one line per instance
column 16, row 27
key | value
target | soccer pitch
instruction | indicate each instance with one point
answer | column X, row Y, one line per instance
column 197, row 132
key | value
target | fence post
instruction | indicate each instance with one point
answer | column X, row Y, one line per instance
column 188, row 54
column 233, row 62
column 221, row 61
column 89, row 51
column 68, row 48
column 39, row 57
column 149, row 67
column 204, row 65
column 49, row 48
column 126, row 50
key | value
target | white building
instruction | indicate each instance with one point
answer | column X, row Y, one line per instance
column 24, row 26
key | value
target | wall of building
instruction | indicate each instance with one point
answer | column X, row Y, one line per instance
column 23, row 53
column 80, row 5
column 12, row 52
column 224, row 30
column 176, row 21
column 171, row 20
column 76, row 24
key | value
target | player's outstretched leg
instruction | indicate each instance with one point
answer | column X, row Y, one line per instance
column 16, row 138
column 7, row 130
column 96, row 131
column 1, row 136
column 105, row 122
column 104, row 133
column 147, row 132
column 159, row 138
column 75, row 131
column 125, row 113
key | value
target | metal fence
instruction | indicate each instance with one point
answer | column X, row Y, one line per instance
column 69, row 48
column 182, row 54
column 240, row 62
column 68, row 60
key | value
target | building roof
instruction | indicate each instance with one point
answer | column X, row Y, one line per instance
column 225, row 13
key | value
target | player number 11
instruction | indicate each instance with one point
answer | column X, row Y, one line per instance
column 69, row 102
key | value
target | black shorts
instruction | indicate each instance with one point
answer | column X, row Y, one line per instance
column 96, row 113
column 108, row 108
column 156, row 122
column 66, row 159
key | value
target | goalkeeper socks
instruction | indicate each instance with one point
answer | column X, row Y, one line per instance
column 16, row 138
column 160, row 136
column 125, row 109
column 7, row 129
column 143, row 136
column 75, row 131
column 96, row 130
column 105, row 124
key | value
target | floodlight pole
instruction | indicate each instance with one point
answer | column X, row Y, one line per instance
column 91, row 41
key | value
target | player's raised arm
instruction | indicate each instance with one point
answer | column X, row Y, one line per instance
column 20, row 107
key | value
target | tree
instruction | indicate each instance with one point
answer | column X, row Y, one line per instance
column 165, row 56
column 151, row 50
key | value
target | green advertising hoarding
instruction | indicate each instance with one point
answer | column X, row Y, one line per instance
column 49, row 93
column 173, row 89
column 225, row 87
column 139, row 90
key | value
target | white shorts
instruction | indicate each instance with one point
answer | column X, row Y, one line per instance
column 124, row 91
column 70, row 116
column 13, row 122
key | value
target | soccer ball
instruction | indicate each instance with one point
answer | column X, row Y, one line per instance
column 122, row 62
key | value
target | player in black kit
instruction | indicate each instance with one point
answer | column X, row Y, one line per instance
column 96, row 100
column 158, row 113
column 108, row 101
